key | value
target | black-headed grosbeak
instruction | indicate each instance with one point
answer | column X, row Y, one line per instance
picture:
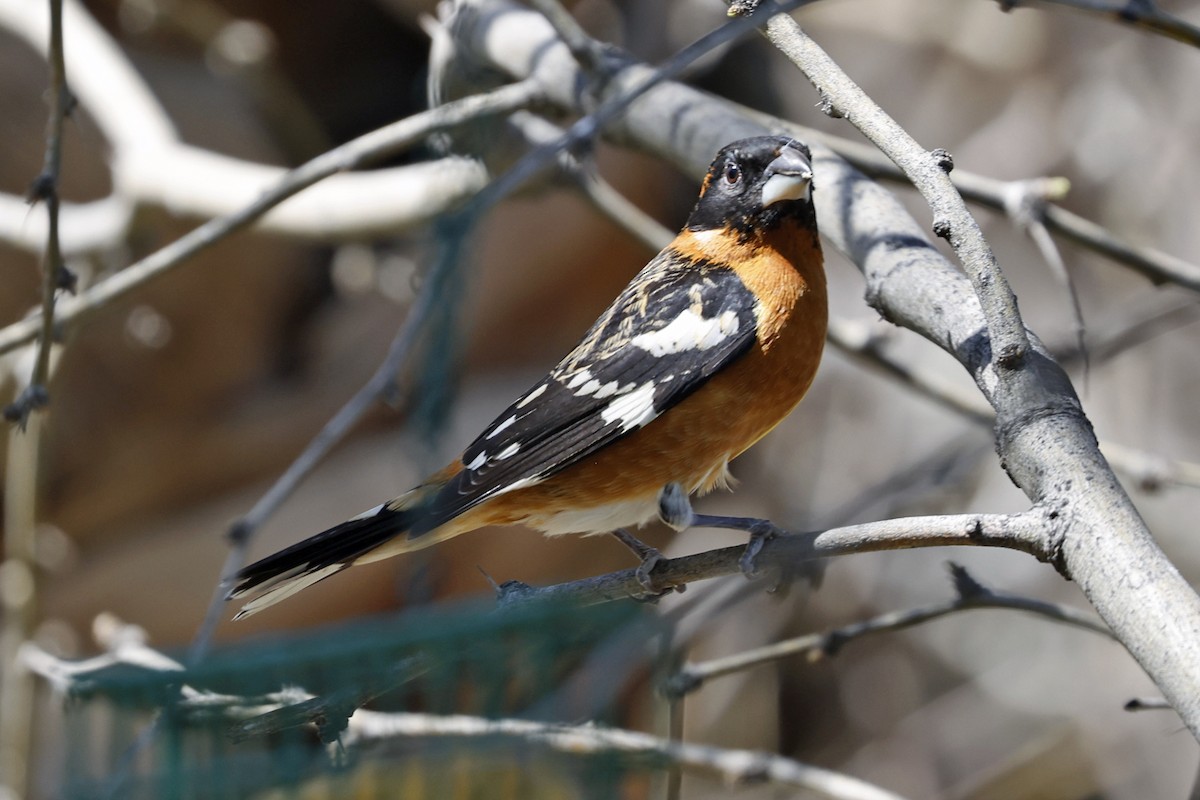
column 712, row 344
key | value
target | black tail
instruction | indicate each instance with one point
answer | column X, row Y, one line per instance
column 281, row 575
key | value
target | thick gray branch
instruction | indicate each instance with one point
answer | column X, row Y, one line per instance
column 1043, row 438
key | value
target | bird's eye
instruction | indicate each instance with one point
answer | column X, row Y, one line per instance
column 733, row 173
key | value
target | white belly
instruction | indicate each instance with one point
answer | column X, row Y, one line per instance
column 598, row 519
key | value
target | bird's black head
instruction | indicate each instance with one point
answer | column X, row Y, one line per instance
column 755, row 184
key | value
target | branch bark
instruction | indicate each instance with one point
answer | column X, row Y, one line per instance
column 1044, row 440
column 734, row 767
column 458, row 178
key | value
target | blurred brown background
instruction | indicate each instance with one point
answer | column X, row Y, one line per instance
column 175, row 409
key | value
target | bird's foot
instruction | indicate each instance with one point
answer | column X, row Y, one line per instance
column 761, row 531
column 650, row 557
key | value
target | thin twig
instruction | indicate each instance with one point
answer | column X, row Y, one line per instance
column 1141, row 14
column 586, row 50
column 1150, row 471
column 691, row 677
column 21, row 481
column 599, row 192
column 628, row 88
column 858, row 343
column 994, row 193
column 1148, row 704
column 1024, row 205
column 929, row 173
column 359, row 152
column 1142, row 326
column 733, row 767
column 616, row 207
column 45, row 189
column 241, row 533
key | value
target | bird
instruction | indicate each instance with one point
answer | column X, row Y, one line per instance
column 709, row 347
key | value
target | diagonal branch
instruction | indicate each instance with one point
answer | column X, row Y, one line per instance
column 1044, row 440
column 1156, row 265
column 971, row 597
column 732, row 767
column 1142, row 14
column 361, row 151
column 929, row 172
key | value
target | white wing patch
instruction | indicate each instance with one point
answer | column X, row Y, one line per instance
column 478, row 461
column 602, row 390
column 496, row 430
column 688, row 331
column 534, row 395
column 633, row 409
column 509, row 451
column 579, row 379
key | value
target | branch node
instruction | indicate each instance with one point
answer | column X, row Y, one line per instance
column 832, row 643
column 942, row 228
column 756, row 771
column 1056, row 539
column 828, row 108
column 682, row 683
column 31, row 399
column 66, row 280
column 1011, row 356
column 965, row 585
column 1147, row 704
column 943, row 159
column 512, row 592
column 41, row 189
column 239, row 532
column 743, row 8
column 332, row 720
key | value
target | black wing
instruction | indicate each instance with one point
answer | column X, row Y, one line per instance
column 678, row 323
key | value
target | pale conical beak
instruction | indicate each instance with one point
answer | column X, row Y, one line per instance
column 788, row 177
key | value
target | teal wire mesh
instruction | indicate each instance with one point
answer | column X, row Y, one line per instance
column 462, row 660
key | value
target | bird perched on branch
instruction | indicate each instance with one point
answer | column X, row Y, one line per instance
column 710, row 346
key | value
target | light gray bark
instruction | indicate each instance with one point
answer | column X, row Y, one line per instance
column 1094, row 535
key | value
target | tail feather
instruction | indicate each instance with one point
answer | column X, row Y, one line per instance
column 281, row 575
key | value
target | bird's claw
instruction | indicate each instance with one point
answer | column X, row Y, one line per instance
column 759, row 535
column 650, row 558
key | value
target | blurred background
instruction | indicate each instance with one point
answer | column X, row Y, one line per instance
column 174, row 409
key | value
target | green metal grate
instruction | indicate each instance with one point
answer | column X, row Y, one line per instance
column 208, row 738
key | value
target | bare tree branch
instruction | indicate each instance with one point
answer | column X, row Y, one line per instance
column 242, row 532
column 1045, row 441
column 1150, row 471
column 929, row 172
column 1156, row 265
column 151, row 166
column 789, row 552
column 45, row 190
column 971, row 596
column 733, row 767
column 1142, row 14
column 21, row 478
column 461, row 177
